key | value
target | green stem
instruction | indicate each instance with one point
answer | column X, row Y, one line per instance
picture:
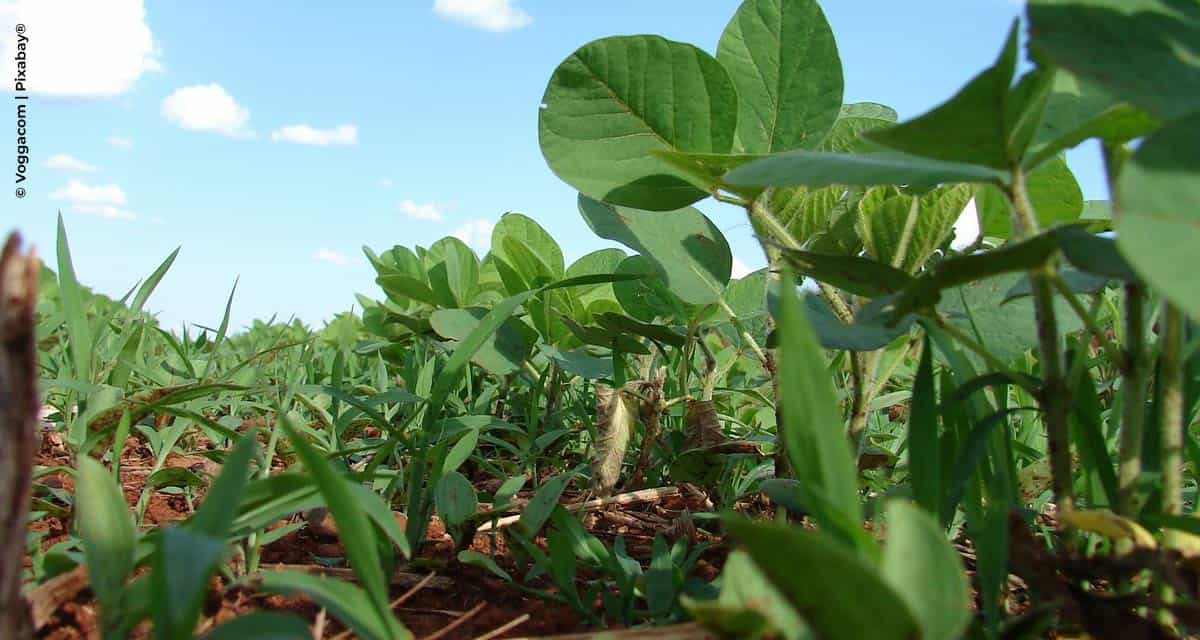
column 1054, row 395
column 1173, row 424
column 906, row 234
column 1133, row 401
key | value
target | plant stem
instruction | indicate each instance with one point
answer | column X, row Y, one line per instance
column 1173, row 424
column 1133, row 400
column 910, row 223
column 1054, row 395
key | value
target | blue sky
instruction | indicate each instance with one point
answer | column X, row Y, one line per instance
column 273, row 142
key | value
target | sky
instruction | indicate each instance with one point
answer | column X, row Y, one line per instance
column 272, row 141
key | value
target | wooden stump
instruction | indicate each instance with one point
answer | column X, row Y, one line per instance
column 18, row 422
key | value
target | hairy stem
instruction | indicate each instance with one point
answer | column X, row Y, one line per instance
column 1133, row 400
column 1054, row 395
column 1173, row 424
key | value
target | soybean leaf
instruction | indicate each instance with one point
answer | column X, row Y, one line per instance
column 501, row 353
column 579, row 362
column 541, row 505
column 854, row 120
column 1006, row 329
column 1053, row 192
column 1143, row 51
column 1157, row 232
column 868, row 332
column 926, row 290
column 614, row 101
column 819, row 169
column 1078, row 110
column 904, row 230
column 686, row 248
column 455, row 498
column 1094, row 253
column 857, row 275
column 476, row 559
column 530, row 235
column 783, row 60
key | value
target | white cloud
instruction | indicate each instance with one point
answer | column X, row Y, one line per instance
column 304, row 134
column 104, row 211
column 386, row 183
column 490, row 15
column 77, row 48
column 429, row 211
column 325, row 254
column 117, row 142
column 740, row 270
column 966, row 228
column 207, row 107
column 103, row 200
column 77, row 191
column 476, row 233
column 68, row 163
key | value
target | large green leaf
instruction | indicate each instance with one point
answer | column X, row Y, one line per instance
column 602, row 261
column 888, row 216
column 686, row 248
column 452, row 269
column 1007, row 329
column 972, row 127
column 813, row 430
column 826, row 582
column 531, row 236
column 1159, row 230
column 501, row 353
column 783, row 59
column 614, row 101
column 644, row 298
column 819, row 169
column 1078, row 110
column 1053, row 192
column 868, row 332
column 803, row 211
column 858, row 275
column 854, row 120
column 1143, row 51
column 926, row 573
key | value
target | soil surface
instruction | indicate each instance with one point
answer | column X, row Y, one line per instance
column 473, row 600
